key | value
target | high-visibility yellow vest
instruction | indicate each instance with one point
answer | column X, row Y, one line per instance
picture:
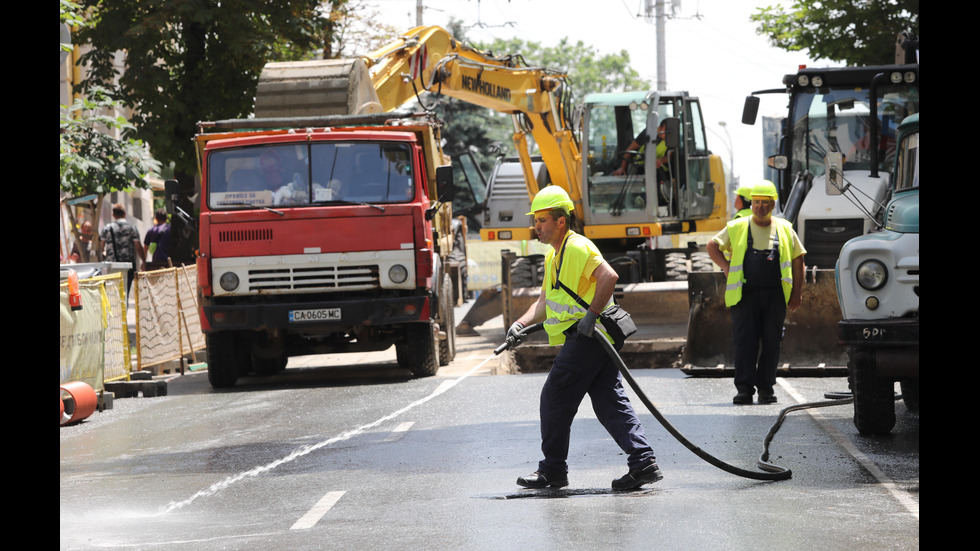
column 561, row 308
column 738, row 234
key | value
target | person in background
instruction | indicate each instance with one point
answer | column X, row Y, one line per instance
column 157, row 242
column 121, row 241
column 81, row 250
column 764, row 279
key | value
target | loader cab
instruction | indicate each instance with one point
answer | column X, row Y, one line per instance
column 626, row 137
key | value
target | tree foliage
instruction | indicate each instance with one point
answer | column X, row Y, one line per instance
column 192, row 60
column 856, row 32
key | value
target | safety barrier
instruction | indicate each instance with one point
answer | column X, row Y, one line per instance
column 168, row 325
column 94, row 338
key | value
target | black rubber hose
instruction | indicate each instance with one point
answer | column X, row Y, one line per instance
column 774, row 472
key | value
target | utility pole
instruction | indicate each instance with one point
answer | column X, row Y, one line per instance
column 655, row 9
column 418, row 13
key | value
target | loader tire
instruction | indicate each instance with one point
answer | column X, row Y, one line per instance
column 874, row 397
column 701, row 262
column 676, row 265
column 527, row 271
column 418, row 352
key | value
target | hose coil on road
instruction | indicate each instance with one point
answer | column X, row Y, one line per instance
column 771, row 470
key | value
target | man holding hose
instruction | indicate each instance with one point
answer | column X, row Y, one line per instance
column 582, row 366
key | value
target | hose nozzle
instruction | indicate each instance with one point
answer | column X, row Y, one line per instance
column 510, row 342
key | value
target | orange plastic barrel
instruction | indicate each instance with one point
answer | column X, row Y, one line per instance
column 83, row 403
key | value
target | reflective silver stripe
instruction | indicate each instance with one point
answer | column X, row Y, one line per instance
column 733, row 286
column 560, row 308
column 736, row 268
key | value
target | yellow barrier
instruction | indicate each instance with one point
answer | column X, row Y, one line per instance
column 167, row 322
column 95, row 339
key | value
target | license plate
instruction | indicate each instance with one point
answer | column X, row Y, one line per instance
column 317, row 314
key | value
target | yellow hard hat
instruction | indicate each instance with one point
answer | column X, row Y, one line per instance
column 765, row 188
column 551, row 197
column 744, row 191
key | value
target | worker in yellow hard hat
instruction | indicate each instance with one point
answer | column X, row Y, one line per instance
column 743, row 202
column 574, row 266
column 764, row 278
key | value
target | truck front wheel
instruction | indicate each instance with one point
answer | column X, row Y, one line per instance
column 447, row 322
column 874, row 397
column 418, row 351
column 226, row 356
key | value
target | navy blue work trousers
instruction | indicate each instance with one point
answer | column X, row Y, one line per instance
column 583, row 367
column 757, row 330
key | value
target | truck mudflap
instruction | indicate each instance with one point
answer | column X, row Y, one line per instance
column 297, row 315
column 810, row 337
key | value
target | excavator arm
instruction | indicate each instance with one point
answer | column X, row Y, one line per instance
column 430, row 59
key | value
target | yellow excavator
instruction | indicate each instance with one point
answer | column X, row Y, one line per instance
column 640, row 200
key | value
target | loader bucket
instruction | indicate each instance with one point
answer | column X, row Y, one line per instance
column 810, row 337
column 315, row 88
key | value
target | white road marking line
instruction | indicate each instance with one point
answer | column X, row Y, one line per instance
column 218, row 486
column 399, row 431
column 901, row 496
column 316, row 513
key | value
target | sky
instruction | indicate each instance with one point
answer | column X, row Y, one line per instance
column 711, row 48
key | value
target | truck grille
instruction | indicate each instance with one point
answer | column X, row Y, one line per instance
column 236, row 236
column 328, row 278
column 823, row 239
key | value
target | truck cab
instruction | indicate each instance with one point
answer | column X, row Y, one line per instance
column 877, row 278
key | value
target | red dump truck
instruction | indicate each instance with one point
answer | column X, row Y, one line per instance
column 324, row 235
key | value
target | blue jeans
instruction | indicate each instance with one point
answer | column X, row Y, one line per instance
column 583, row 367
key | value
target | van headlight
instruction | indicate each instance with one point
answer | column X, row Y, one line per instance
column 398, row 273
column 872, row 275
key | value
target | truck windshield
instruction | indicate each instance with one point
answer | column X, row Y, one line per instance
column 839, row 120
column 310, row 174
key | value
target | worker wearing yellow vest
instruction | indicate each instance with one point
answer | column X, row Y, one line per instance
column 764, row 278
column 582, row 366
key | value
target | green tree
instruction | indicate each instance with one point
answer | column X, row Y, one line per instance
column 193, row 60
column 93, row 162
column 856, row 32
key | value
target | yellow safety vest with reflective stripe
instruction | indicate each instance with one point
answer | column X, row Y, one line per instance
column 738, row 235
column 561, row 308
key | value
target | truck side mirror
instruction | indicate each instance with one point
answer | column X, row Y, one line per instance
column 834, row 164
column 672, row 129
column 750, row 109
column 444, row 183
column 170, row 195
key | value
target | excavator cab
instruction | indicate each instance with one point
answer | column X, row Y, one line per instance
column 646, row 160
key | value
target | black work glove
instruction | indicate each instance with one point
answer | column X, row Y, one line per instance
column 586, row 325
column 514, row 336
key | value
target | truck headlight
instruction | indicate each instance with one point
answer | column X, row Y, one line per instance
column 228, row 281
column 872, row 275
column 398, row 273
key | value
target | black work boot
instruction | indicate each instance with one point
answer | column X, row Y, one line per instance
column 537, row 479
column 743, row 397
column 638, row 477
